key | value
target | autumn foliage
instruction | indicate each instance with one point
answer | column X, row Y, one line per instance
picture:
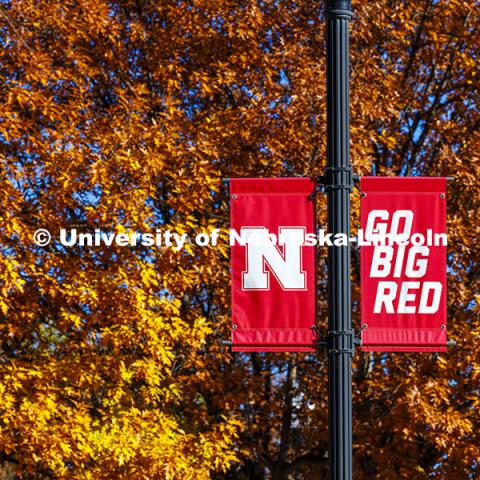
column 125, row 115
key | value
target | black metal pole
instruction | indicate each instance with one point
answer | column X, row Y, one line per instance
column 338, row 183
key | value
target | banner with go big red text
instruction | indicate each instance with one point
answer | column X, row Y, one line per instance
column 273, row 272
column 403, row 270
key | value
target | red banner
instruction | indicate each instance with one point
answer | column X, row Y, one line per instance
column 403, row 270
column 273, row 276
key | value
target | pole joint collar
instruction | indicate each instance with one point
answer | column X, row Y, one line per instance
column 338, row 9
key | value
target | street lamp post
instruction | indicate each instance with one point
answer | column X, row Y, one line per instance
column 338, row 184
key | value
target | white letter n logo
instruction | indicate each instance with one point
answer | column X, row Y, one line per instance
column 261, row 253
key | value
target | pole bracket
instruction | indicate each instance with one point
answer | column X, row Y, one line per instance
column 337, row 178
column 340, row 341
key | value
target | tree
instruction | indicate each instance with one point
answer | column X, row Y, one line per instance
column 125, row 116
